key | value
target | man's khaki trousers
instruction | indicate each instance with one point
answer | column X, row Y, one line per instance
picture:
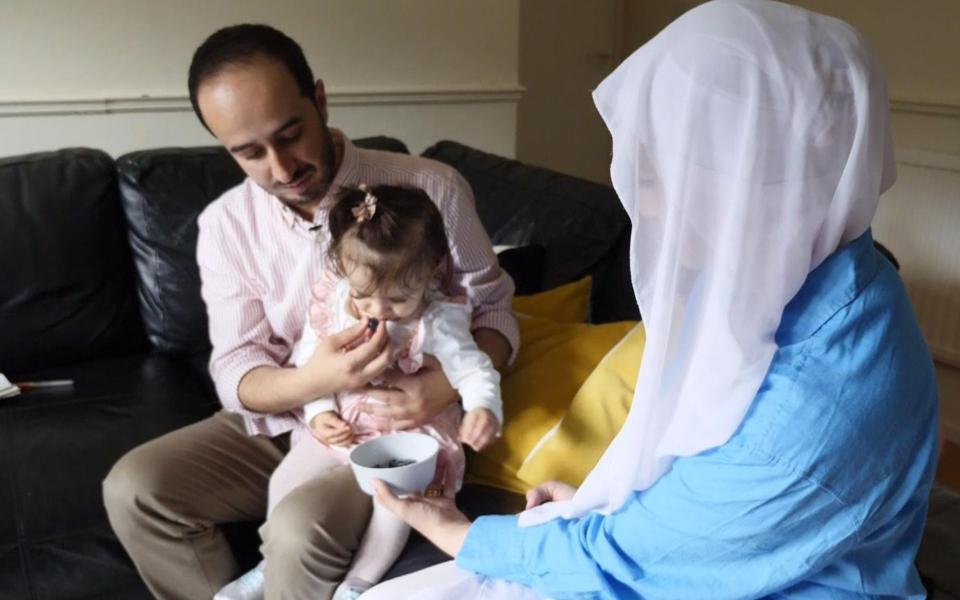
column 165, row 499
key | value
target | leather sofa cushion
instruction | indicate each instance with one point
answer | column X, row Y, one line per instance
column 66, row 279
column 576, row 221
column 612, row 297
column 163, row 193
column 58, row 445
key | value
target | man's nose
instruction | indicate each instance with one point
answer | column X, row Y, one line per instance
column 282, row 166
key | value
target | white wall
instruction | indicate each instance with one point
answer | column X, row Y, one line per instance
column 112, row 73
column 919, row 220
column 917, row 43
column 566, row 48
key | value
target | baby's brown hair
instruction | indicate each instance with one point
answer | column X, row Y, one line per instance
column 396, row 232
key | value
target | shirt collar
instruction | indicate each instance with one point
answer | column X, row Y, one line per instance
column 346, row 176
column 349, row 166
column 286, row 213
column 828, row 288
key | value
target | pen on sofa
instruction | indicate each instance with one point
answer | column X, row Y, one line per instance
column 52, row 383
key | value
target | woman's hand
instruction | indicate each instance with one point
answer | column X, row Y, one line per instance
column 346, row 360
column 479, row 428
column 412, row 399
column 549, row 491
column 331, row 429
column 437, row 519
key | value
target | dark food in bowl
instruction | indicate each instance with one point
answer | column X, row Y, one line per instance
column 394, row 462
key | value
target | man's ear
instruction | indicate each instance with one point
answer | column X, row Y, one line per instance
column 320, row 97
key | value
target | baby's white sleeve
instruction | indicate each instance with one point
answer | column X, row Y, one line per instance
column 320, row 405
column 302, row 352
column 467, row 367
column 303, row 349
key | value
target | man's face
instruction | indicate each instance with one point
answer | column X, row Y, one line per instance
column 278, row 137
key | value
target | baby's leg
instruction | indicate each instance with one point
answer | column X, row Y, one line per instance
column 306, row 460
column 381, row 545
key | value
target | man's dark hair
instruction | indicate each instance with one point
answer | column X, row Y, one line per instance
column 243, row 44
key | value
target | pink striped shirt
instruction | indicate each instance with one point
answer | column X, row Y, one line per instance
column 258, row 258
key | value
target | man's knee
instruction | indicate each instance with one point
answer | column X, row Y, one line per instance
column 328, row 514
column 126, row 488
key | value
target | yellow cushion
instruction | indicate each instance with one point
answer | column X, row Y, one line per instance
column 545, row 338
column 597, row 412
column 557, row 366
column 554, row 361
column 568, row 303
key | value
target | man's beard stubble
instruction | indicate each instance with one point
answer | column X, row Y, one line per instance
column 329, row 162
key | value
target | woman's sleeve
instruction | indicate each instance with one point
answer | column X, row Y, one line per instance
column 721, row 524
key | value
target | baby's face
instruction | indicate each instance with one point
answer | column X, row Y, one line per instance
column 393, row 303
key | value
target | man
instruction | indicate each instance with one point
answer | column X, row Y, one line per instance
column 260, row 246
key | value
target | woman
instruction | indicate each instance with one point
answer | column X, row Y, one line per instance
column 782, row 438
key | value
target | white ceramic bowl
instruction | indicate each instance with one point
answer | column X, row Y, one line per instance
column 369, row 461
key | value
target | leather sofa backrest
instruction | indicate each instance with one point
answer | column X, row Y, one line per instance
column 66, row 279
column 163, row 193
column 580, row 224
column 575, row 220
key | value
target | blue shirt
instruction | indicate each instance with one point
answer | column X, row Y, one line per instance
column 820, row 493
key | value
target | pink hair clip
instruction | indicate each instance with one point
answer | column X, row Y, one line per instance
column 365, row 211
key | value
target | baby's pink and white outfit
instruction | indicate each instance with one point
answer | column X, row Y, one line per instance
column 443, row 331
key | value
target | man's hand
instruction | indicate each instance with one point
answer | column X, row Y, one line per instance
column 346, row 360
column 479, row 428
column 412, row 399
column 494, row 344
column 437, row 519
column 331, row 429
column 549, row 491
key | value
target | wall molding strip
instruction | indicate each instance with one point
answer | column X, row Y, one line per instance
column 926, row 159
column 949, row 109
column 344, row 97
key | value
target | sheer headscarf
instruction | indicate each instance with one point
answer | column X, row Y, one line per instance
column 750, row 142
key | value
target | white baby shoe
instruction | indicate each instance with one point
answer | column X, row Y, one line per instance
column 350, row 589
column 248, row 586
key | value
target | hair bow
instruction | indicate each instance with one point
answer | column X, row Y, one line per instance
column 366, row 209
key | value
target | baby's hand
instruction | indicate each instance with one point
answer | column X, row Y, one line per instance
column 331, row 429
column 479, row 428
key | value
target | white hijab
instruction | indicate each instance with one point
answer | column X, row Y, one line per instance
column 750, row 142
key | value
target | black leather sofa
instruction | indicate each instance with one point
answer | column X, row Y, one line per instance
column 98, row 283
